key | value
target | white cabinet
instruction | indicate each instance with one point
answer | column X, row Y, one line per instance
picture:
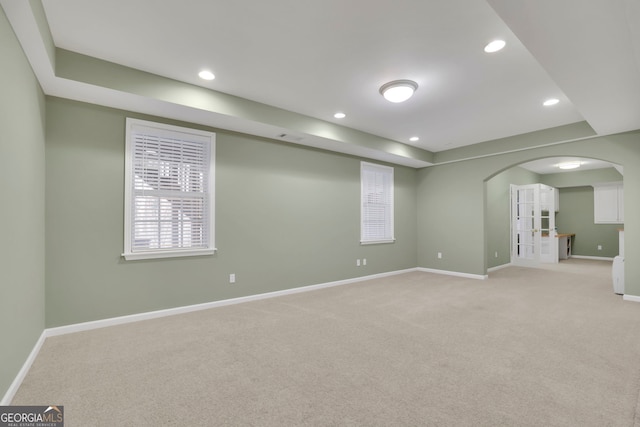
column 564, row 245
column 608, row 203
column 545, row 199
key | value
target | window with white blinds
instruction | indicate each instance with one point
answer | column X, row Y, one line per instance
column 169, row 196
column 376, row 222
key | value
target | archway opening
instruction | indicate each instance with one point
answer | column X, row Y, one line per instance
column 577, row 206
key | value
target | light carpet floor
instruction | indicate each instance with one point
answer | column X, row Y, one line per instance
column 527, row 347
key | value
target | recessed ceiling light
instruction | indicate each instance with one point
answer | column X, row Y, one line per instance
column 414, row 139
column 206, row 75
column 495, row 46
column 569, row 165
column 339, row 115
column 398, row 90
column 551, row 101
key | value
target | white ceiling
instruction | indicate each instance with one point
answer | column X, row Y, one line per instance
column 317, row 58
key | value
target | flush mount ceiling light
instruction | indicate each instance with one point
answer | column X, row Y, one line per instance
column 414, row 139
column 398, row 90
column 339, row 115
column 495, row 46
column 206, row 75
column 570, row 165
column 551, row 101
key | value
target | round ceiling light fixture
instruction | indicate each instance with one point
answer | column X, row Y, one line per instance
column 570, row 165
column 551, row 101
column 398, row 90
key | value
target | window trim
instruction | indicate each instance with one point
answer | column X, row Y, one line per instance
column 372, row 167
column 128, row 253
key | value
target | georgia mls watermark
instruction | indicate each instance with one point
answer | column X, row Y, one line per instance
column 31, row 416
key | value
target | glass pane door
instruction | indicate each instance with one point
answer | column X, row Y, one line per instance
column 533, row 224
column 524, row 227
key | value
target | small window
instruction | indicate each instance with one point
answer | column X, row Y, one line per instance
column 169, row 197
column 376, row 222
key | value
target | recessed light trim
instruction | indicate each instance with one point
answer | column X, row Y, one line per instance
column 206, row 75
column 414, row 139
column 569, row 165
column 339, row 115
column 551, row 101
column 398, row 90
column 495, row 46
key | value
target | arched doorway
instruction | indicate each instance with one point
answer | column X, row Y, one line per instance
column 576, row 188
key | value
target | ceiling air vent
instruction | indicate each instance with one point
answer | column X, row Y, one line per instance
column 289, row 137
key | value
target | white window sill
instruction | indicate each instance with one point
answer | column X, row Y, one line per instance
column 376, row 242
column 167, row 254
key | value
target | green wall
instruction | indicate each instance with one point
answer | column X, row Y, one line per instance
column 286, row 216
column 576, row 216
column 22, row 154
column 452, row 205
column 580, row 178
column 576, row 211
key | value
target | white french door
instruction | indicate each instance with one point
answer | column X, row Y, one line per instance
column 533, row 229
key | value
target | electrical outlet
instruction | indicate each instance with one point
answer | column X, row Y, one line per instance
column 439, row 255
column 599, row 247
column 496, row 255
column 357, row 263
column 232, row 278
column 364, row 261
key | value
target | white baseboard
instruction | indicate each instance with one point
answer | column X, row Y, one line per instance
column 498, row 267
column 103, row 323
column 598, row 258
column 453, row 273
column 15, row 385
column 632, row 298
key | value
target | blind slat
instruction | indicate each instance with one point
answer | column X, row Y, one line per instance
column 377, row 203
column 169, row 189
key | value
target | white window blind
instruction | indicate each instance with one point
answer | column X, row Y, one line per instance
column 376, row 222
column 168, row 191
